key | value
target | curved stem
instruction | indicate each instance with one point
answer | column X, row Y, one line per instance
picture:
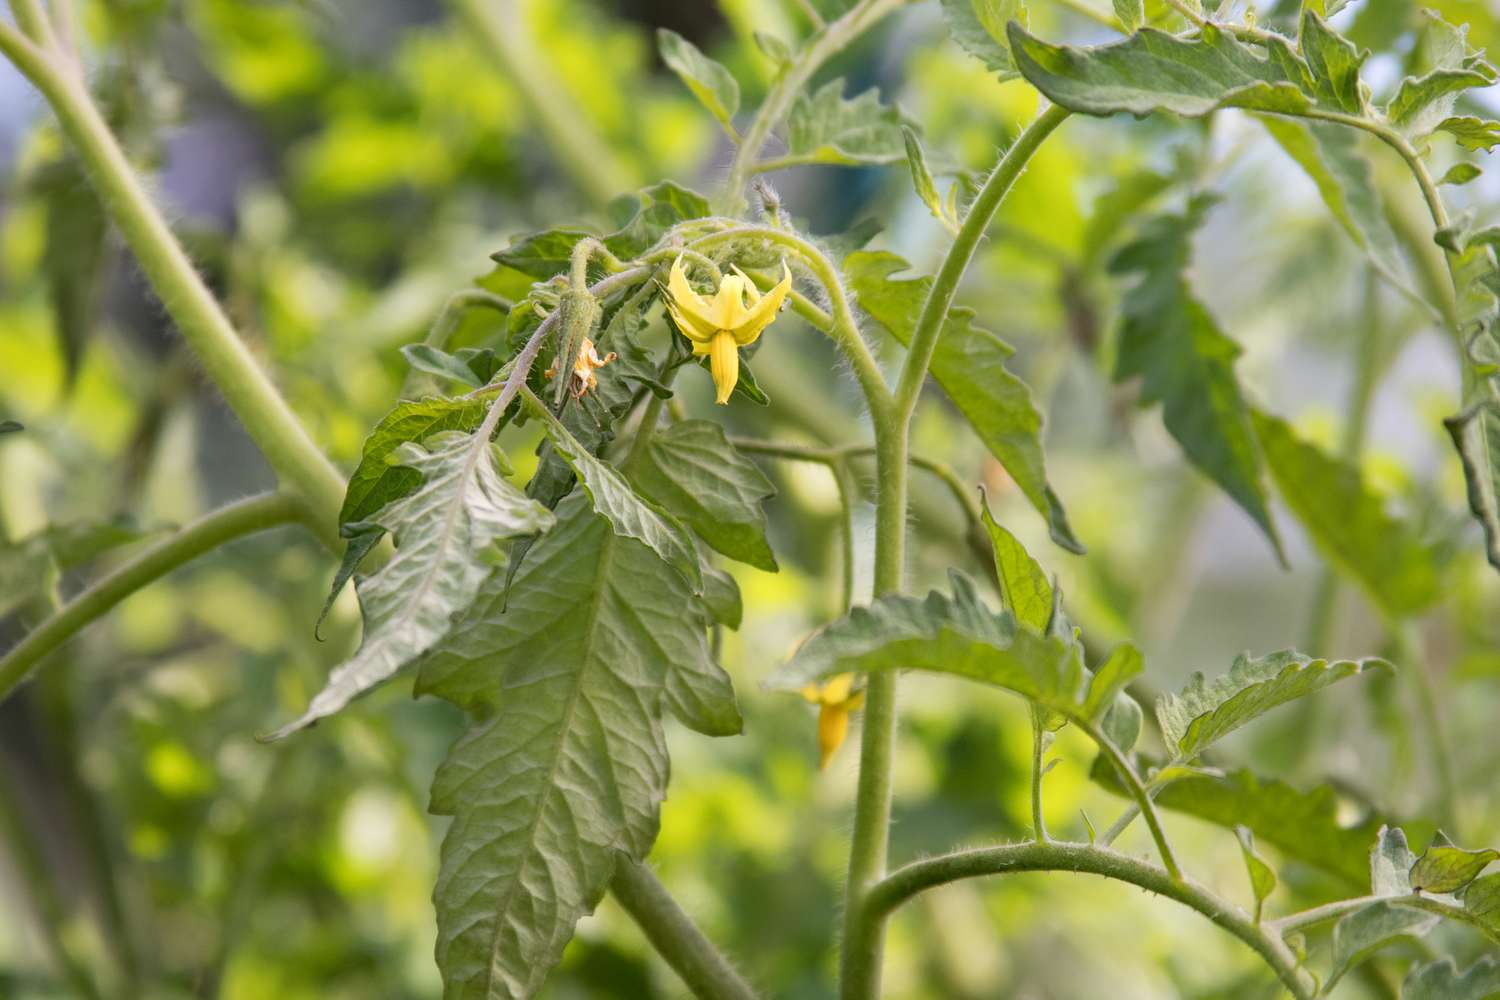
column 674, row 935
column 1138, row 791
column 828, row 41
column 907, row 882
column 581, row 152
column 249, row 391
column 945, row 283
column 208, row 532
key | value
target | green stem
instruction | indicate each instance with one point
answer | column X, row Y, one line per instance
column 674, row 935
column 582, row 153
column 246, row 387
column 826, row 42
column 915, row 878
column 1340, row 908
column 207, row 533
column 1138, row 791
column 1038, row 750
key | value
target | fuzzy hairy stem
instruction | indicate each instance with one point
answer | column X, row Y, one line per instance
column 1054, row 856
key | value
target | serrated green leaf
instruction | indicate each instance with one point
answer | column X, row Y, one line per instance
column 954, row 635
column 827, row 128
column 565, row 766
column 1476, row 435
column 1131, row 14
column 629, row 513
column 1262, row 875
column 1445, row 67
column 1460, row 174
column 377, row 481
column 1024, row 588
column 1365, row 931
column 540, row 255
column 969, row 365
column 1445, row 868
column 1170, row 341
column 1154, row 71
column 446, row 534
column 1331, row 157
column 646, row 215
column 434, row 361
column 978, row 26
column 1482, row 900
column 1348, row 522
column 1305, row 826
column 1334, row 62
column 713, row 85
column 1206, row 711
column 921, row 176
column 1123, row 665
column 1441, row 980
column 1472, row 133
column 692, row 471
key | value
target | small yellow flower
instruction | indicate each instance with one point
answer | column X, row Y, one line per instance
column 835, row 699
column 721, row 325
column 588, row 360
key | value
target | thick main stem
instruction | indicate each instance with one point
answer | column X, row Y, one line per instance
column 286, row 444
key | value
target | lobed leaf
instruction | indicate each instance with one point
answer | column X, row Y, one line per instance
column 978, row 27
column 1170, row 341
column 1206, row 711
column 969, row 365
column 1367, row 930
column 713, row 85
column 378, row 481
column 1441, row 980
column 692, row 471
column 828, row 128
column 568, row 672
column 1348, row 521
column 1444, row 868
column 1424, row 101
column 1472, row 133
column 446, row 533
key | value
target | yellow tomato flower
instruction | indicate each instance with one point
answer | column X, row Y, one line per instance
column 835, row 699
column 721, row 325
column 584, row 379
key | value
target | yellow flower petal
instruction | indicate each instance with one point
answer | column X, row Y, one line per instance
column 693, row 315
column 761, row 315
column 724, row 365
column 833, row 728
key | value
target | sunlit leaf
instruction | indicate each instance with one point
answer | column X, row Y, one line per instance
column 1472, row 133
column 978, row 26
column 1445, row 868
column 377, row 480
column 446, row 534
column 1123, row 665
column 568, row 672
column 713, row 85
column 969, row 364
column 693, row 472
column 1206, row 711
column 1023, row 585
column 1131, row 14
column 826, row 127
column 1460, row 174
column 921, row 175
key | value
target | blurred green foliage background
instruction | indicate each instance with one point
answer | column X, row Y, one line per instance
column 338, row 168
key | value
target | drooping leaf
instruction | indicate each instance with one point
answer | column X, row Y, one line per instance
column 969, row 364
column 978, row 26
column 629, row 513
column 1154, row 71
column 377, row 481
column 1348, row 522
column 826, row 127
column 568, row 672
column 1123, row 665
column 693, row 472
column 1170, row 341
column 1445, row 868
column 1367, row 930
column 1391, row 861
column 1472, row 133
column 1305, row 826
column 1441, row 980
column 1023, row 586
column 955, row 635
column 1460, row 174
column 1476, row 435
column 1262, row 876
column 446, row 534
column 1206, row 711
column 713, row 85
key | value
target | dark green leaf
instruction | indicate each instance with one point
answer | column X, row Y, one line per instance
column 969, row 364
column 1023, row 586
column 1262, row 876
column 647, row 214
column 721, row 596
column 693, row 472
column 954, row 635
column 11, row 426
column 1206, row 711
column 564, row 768
column 74, row 255
column 1472, row 133
column 361, row 539
column 1445, row 868
column 446, row 536
column 827, row 128
column 1348, row 521
column 978, row 26
column 540, row 255
column 377, row 481
column 425, row 357
column 1170, row 340
column 1365, row 931
column 1441, row 980
column 713, row 85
